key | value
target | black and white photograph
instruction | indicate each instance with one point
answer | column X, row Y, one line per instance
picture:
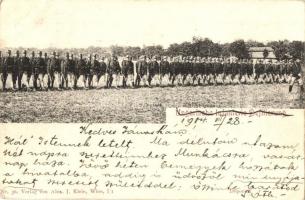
column 152, row 99
column 127, row 61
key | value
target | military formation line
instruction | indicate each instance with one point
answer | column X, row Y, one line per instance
column 43, row 72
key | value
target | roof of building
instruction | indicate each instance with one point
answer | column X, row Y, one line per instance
column 260, row 49
column 260, row 55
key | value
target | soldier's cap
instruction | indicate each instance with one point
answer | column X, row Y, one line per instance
column 40, row 52
column 54, row 53
column 24, row 52
column 45, row 54
column 9, row 51
column 17, row 52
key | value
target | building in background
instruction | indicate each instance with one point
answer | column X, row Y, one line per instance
column 265, row 53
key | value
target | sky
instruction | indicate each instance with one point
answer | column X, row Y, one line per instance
column 83, row 23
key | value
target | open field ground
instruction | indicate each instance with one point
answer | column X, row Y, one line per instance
column 143, row 105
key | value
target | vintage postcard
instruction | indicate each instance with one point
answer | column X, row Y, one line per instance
column 151, row 99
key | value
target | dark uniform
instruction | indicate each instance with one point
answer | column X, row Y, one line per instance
column 127, row 72
column 19, row 70
column 81, row 71
column 218, row 71
column 89, row 74
column 296, row 76
column 259, row 72
column 38, row 70
column 141, row 70
column 276, row 72
column 164, row 72
column 52, row 66
column 8, row 70
column 154, row 72
column 72, row 77
column 227, row 71
column 250, row 78
column 113, row 71
column 243, row 71
column 95, row 71
column 173, row 71
column 283, row 72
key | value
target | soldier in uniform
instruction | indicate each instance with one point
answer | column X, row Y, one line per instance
column 243, row 71
column 276, row 72
column 37, row 72
column 202, row 71
column 283, row 72
column 18, row 70
column 289, row 71
column 259, row 72
column 71, row 72
column 89, row 74
column 296, row 75
column 64, row 66
column 102, row 73
column 235, row 72
column 195, row 71
column 140, row 70
column 173, row 71
column 269, row 72
column 51, row 65
column 212, row 72
column 45, row 76
column 10, row 69
column 81, row 75
column 42, row 71
column 188, row 75
column 95, row 71
column 33, row 61
column 165, row 72
column 219, row 71
column 183, row 70
column 249, row 74
column 154, row 72
column 227, row 72
column 127, row 72
column 113, row 70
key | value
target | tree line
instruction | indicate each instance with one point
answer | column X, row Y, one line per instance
column 198, row 46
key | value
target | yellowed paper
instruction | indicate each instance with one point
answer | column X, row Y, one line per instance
column 197, row 154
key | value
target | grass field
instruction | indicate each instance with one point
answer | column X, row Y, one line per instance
column 141, row 105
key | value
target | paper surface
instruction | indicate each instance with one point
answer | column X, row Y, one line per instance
column 197, row 154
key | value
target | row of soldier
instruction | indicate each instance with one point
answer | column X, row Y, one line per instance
column 43, row 72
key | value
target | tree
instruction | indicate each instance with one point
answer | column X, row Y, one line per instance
column 253, row 43
column 204, row 47
column 173, row 49
column 134, row 52
column 151, row 51
column 117, row 50
column 238, row 48
column 280, row 48
column 225, row 52
column 296, row 49
column 265, row 53
column 186, row 49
